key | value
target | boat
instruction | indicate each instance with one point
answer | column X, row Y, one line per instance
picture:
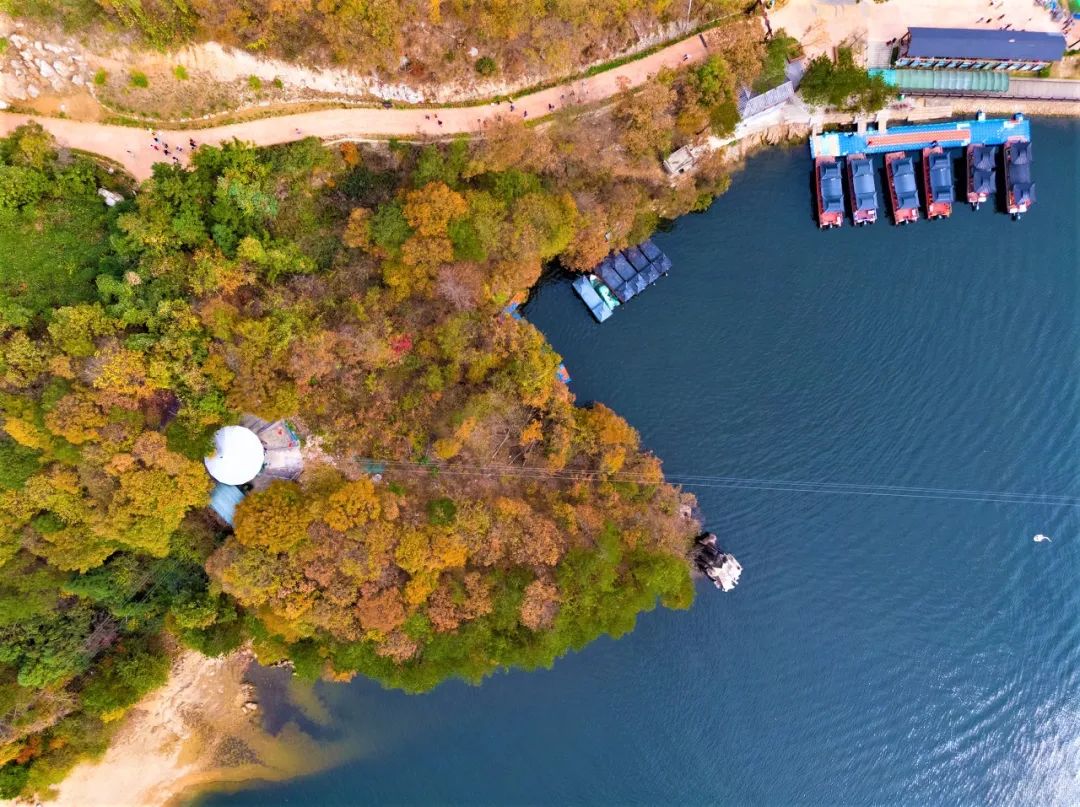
column 830, row 192
column 863, row 186
column 938, row 176
column 981, row 174
column 588, row 289
column 902, row 190
column 1019, row 189
column 720, row 567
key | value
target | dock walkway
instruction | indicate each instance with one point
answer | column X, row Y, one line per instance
column 909, row 138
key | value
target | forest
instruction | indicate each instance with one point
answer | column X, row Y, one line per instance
column 360, row 293
column 411, row 40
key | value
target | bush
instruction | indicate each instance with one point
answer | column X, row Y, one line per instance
column 486, row 66
column 12, row 780
column 255, row 83
column 100, row 77
column 137, row 78
column 180, row 72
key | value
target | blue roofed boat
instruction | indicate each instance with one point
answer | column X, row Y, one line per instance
column 863, row 184
column 902, row 189
column 830, row 192
column 981, row 174
column 938, row 179
column 587, row 292
column 1018, row 183
column 621, row 276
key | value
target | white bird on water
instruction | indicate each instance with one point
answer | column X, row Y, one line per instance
column 1040, row 538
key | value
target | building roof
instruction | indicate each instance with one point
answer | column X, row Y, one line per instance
column 238, row 455
column 944, row 80
column 980, row 43
column 750, row 105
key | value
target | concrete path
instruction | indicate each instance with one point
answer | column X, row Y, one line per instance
column 134, row 148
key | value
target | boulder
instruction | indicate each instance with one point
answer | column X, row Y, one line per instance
column 32, row 90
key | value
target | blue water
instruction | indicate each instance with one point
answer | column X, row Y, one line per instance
column 880, row 649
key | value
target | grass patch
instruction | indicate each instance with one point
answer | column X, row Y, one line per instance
column 101, row 77
column 255, row 83
column 51, row 252
column 137, row 78
column 4, row 44
column 180, row 72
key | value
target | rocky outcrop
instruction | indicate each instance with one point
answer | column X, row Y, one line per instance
column 32, row 67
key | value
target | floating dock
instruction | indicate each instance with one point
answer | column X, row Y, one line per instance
column 953, row 134
column 621, row 276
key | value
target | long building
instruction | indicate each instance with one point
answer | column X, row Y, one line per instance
column 979, row 49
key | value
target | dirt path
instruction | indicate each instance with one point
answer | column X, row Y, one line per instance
column 133, row 148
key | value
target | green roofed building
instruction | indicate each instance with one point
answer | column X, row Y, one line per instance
column 946, row 82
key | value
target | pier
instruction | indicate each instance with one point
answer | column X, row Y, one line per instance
column 952, row 134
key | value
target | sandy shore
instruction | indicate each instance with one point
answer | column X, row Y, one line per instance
column 194, row 733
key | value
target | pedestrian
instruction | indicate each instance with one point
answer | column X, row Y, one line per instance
column 440, row 123
column 525, row 114
column 551, row 107
column 511, row 107
column 427, row 117
column 686, row 57
column 191, row 142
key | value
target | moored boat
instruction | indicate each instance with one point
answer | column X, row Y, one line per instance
column 720, row 567
column 938, row 177
column 829, row 188
column 902, row 189
column 863, row 186
column 1019, row 188
column 981, row 174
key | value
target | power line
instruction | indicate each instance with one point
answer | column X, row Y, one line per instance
column 734, row 483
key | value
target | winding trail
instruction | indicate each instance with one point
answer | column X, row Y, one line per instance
column 132, row 147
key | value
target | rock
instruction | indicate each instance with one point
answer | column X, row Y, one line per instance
column 57, row 84
column 32, row 90
column 4, row 104
column 17, row 41
column 49, row 46
column 27, row 55
column 45, row 69
column 61, row 68
column 16, row 65
column 474, row 52
column 37, row 45
column 77, row 80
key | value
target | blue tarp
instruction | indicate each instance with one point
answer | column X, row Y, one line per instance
column 224, row 499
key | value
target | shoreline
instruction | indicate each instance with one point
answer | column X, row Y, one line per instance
column 198, row 733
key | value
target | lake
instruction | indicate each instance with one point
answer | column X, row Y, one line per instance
column 911, row 646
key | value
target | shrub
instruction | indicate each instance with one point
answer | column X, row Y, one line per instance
column 486, row 66
column 255, row 83
column 137, row 78
column 843, row 84
column 180, row 72
column 100, row 77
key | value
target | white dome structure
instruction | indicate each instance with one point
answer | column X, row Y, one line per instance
column 238, row 457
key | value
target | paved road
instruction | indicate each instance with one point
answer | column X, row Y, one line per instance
column 132, row 147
